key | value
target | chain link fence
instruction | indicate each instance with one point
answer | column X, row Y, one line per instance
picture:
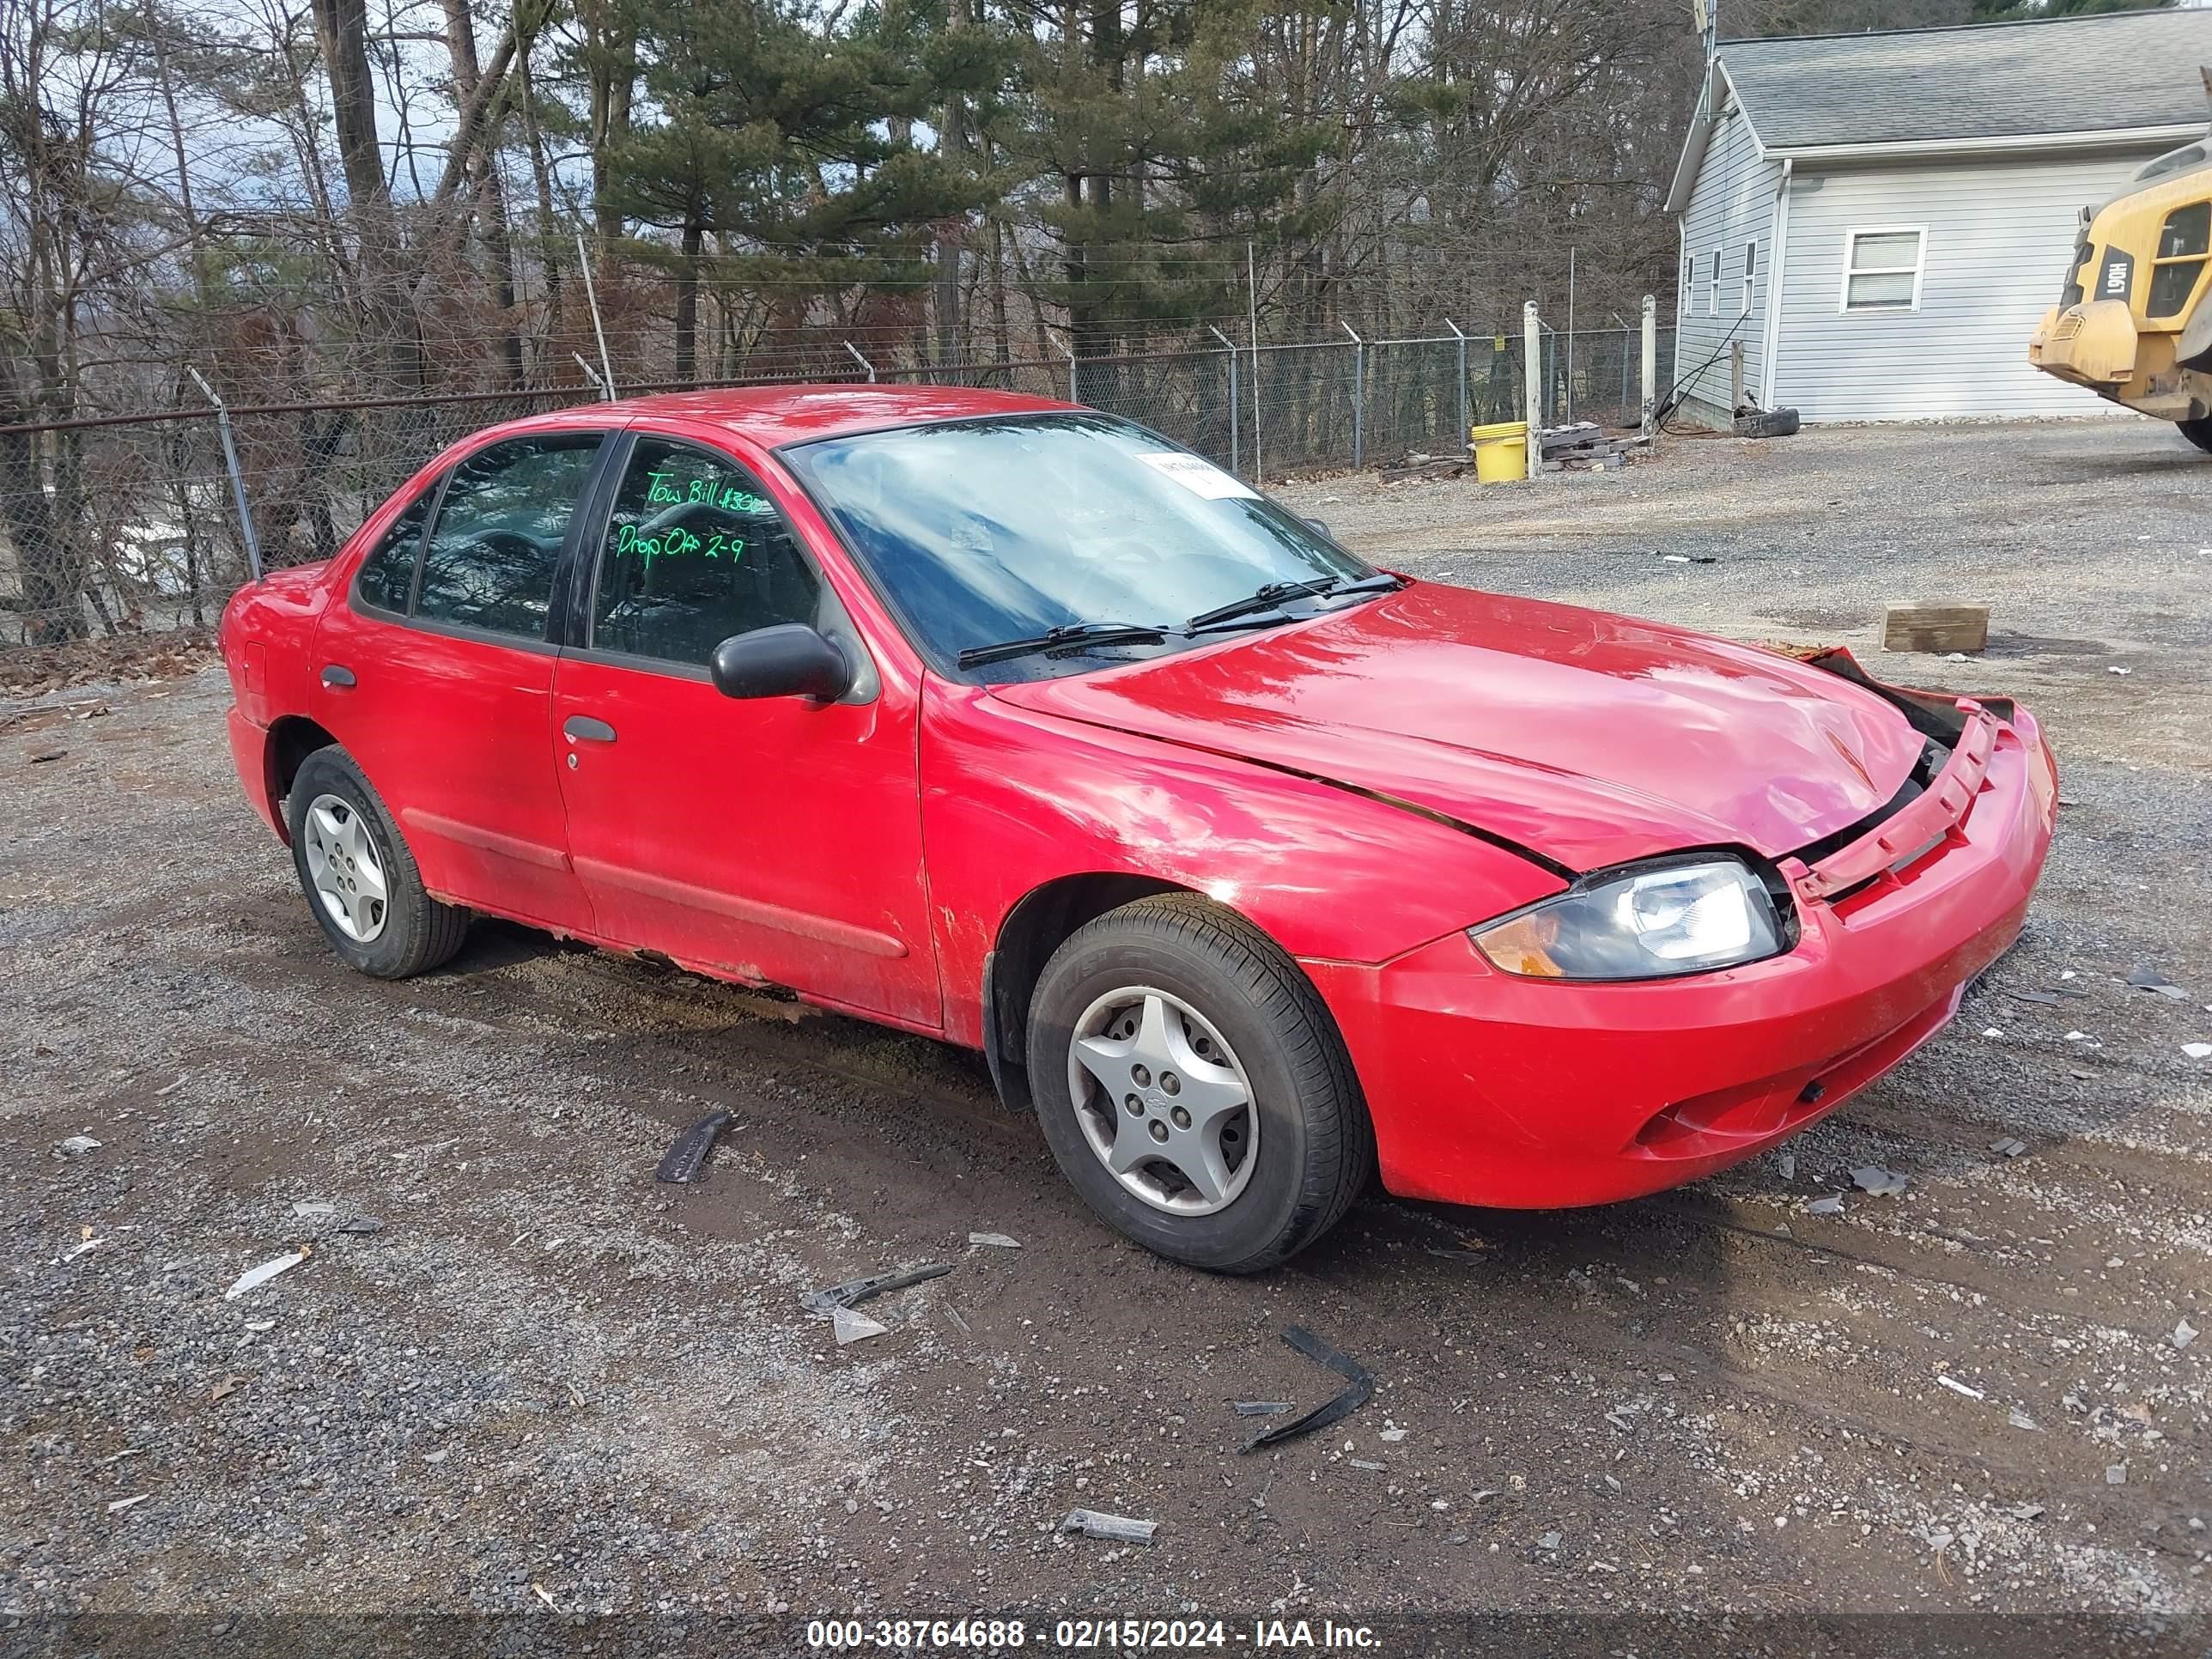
column 124, row 525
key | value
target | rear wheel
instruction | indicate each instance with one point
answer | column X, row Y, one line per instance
column 2198, row 432
column 1193, row 1087
column 360, row 879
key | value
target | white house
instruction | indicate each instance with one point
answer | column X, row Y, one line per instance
column 1881, row 219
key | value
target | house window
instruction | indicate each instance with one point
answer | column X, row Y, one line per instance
column 1750, row 277
column 1882, row 268
column 1713, row 286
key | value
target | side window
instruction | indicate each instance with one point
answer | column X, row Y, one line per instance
column 489, row 562
column 694, row 553
column 387, row 574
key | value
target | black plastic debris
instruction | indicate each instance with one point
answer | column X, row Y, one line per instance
column 1362, row 1390
column 853, row 1291
column 2144, row 977
column 1259, row 1407
column 682, row 1160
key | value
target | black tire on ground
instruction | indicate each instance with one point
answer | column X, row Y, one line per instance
column 417, row 931
column 1767, row 424
column 2198, row 432
column 1316, row 1146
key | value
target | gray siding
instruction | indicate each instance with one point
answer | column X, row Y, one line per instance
column 1731, row 204
column 1998, row 231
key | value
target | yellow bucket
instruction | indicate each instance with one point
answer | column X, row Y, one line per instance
column 1501, row 451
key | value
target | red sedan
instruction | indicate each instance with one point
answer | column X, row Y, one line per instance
column 1253, row 870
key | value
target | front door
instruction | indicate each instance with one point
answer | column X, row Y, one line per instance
column 436, row 673
column 776, row 839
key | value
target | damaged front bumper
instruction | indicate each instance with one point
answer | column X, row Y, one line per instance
column 1485, row 1088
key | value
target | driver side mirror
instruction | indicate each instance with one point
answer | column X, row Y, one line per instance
column 787, row 660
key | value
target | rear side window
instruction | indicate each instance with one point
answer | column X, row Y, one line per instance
column 489, row 562
column 387, row 575
column 696, row 552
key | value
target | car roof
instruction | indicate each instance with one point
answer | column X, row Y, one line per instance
column 774, row 414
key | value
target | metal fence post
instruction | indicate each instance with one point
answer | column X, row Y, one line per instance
column 1229, row 346
column 1650, row 365
column 592, row 298
column 858, row 359
column 1532, row 378
column 237, row 477
column 1466, row 427
column 1359, row 398
column 1073, row 396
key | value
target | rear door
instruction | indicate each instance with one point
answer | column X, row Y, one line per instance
column 437, row 675
column 777, row 840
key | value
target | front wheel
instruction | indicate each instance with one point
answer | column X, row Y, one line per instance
column 358, row 876
column 2197, row 432
column 1194, row 1088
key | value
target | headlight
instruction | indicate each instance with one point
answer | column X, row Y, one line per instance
column 1641, row 924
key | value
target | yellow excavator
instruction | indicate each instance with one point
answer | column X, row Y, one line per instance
column 2135, row 322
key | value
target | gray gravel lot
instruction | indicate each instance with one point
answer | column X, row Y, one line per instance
column 545, row 1381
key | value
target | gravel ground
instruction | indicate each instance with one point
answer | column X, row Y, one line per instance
column 543, row 1380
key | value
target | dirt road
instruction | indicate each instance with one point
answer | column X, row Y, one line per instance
column 543, row 1380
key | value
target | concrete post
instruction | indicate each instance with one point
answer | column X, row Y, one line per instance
column 1650, row 365
column 1532, row 377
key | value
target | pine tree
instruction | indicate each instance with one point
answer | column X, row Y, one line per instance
column 1168, row 159
column 778, row 157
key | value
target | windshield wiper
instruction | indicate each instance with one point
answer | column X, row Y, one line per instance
column 1267, row 597
column 1083, row 633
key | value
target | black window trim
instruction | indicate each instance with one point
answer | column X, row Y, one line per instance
column 582, row 598
column 550, row 642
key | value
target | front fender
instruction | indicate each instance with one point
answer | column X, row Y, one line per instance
column 1012, row 800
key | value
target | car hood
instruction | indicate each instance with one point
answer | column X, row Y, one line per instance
column 1586, row 738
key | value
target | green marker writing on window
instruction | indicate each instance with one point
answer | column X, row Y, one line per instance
column 675, row 542
column 667, row 489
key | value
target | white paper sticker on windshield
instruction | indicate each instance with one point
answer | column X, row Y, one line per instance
column 1199, row 476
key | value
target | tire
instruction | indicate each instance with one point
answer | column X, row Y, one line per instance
column 1302, row 1146
column 2198, row 432
column 1767, row 424
column 407, row 932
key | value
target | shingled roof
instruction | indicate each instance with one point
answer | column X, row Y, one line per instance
column 2116, row 71
column 2111, row 80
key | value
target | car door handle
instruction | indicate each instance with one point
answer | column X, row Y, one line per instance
column 339, row 677
column 584, row 728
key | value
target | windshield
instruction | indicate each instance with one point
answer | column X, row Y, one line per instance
column 986, row 532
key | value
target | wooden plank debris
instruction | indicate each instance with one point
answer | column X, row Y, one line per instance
column 1935, row 627
column 1586, row 444
column 1426, row 466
